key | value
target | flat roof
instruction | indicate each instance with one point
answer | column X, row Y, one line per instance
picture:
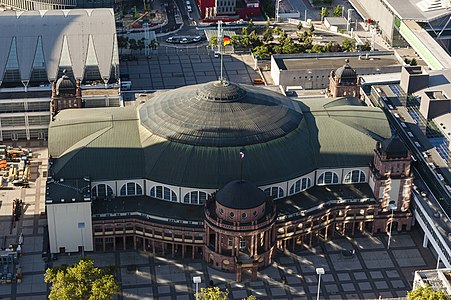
column 318, row 195
column 409, row 9
column 67, row 191
column 336, row 20
column 332, row 62
column 381, row 78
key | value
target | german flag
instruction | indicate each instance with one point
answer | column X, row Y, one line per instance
column 226, row 40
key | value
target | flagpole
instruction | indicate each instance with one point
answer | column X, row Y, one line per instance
column 220, row 42
column 241, row 164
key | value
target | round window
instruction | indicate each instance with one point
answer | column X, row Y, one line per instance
column 232, row 215
column 243, row 215
column 221, row 211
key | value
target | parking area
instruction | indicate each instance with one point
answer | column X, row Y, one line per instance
column 172, row 67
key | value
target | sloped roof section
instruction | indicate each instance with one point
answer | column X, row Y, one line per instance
column 53, row 25
column 113, row 144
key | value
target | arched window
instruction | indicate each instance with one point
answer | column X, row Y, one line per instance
column 131, row 189
column 328, row 178
column 300, row 185
column 164, row 193
column 101, row 191
column 195, row 197
column 274, row 191
column 355, row 176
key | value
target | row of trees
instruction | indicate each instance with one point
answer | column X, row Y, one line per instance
column 264, row 45
column 124, row 42
column 337, row 11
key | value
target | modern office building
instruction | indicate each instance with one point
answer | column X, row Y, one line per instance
column 422, row 24
column 224, row 172
column 36, row 47
column 438, row 280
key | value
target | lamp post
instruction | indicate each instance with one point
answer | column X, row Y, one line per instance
column 277, row 10
column 197, row 280
column 319, row 271
column 391, row 206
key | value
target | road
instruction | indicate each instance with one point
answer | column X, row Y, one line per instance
column 301, row 6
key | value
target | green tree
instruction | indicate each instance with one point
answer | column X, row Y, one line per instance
column 348, row 45
column 332, row 47
column 141, row 44
column 426, row 293
column 213, row 42
column 316, row 49
column 364, row 47
column 413, row 62
column 212, row 293
column 122, row 41
column 235, row 40
column 338, row 11
column 324, row 13
column 311, row 29
column 244, row 31
column 254, row 39
column 251, row 24
column 133, row 44
column 82, row 281
column 268, row 35
column 262, row 51
column 282, row 37
column 299, row 27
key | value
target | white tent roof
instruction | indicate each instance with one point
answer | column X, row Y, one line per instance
column 76, row 25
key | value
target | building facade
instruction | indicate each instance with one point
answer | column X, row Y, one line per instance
column 173, row 187
column 312, row 71
column 36, row 47
column 344, row 82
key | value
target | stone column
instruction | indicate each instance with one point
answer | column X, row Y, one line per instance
column 238, row 272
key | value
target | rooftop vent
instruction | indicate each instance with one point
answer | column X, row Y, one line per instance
column 430, row 5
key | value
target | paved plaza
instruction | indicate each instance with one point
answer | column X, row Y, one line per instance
column 176, row 67
column 371, row 272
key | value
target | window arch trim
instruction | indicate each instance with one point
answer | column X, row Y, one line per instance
column 354, row 176
column 328, row 177
column 131, row 189
column 163, row 193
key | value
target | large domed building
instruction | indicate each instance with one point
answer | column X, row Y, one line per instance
column 222, row 171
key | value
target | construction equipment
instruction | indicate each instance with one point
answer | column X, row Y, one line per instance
column 10, row 270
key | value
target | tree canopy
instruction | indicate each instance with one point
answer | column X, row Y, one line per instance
column 82, row 281
column 338, row 10
column 215, row 293
column 426, row 293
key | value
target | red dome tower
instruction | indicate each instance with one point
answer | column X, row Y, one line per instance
column 240, row 231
